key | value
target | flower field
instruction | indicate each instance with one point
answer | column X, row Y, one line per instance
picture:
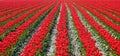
column 59, row 28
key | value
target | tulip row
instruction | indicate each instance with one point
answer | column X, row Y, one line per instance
column 105, row 13
column 19, row 20
column 15, row 23
column 36, row 43
column 112, row 11
column 83, row 28
column 5, row 9
column 16, row 49
column 85, row 36
column 101, row 43
column 107, row 6
column 108, row 14
column 106, row 35
column 13, row 37
column 112, row 6
column 112, row 31
column 16, row 13
column 10, row 10
column 62, row 41
column 24, row 37
column 108, row 22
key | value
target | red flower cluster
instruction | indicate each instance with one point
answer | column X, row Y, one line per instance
column 1, row 30
column 62, row 36
column 36, row 41
column 104, row 34
column 85, row 36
